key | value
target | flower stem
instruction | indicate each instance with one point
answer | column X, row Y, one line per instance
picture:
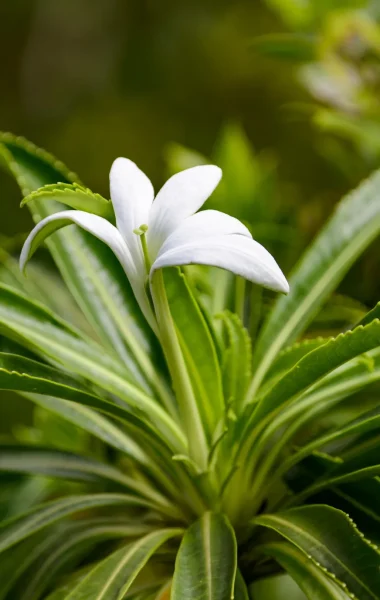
column 145, row 252
column 190, row 417
column 240, row 297
column 141, row 232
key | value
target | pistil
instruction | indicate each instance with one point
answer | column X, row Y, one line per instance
column 141, row 232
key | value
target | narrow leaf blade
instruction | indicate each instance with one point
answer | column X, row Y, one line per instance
column 309, row 576
column 330, row 538
column 111, row 579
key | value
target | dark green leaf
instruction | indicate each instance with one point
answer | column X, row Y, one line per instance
column 371, row 315
column 312, row 580
column 363, row 465
column 330, row 538
column 19, row 528
column 55, row 463
column 361, row 501
column 369, row 421
column 205, row 568
column 241, row 591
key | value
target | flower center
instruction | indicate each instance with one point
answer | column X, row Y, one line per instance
column 141, row 232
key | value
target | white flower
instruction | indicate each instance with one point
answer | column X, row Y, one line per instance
column 152, row 233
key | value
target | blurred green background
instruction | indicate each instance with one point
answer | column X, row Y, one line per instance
column 93, row 79
column 283, row 94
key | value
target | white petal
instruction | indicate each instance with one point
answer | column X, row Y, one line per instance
column 132, row 196
column 237, row 253
column 181, row 196
column 94, row 224
column 104, row 231
column 203, row 225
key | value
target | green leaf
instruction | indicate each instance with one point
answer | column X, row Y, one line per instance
column 353, row 226
column 19, row 528
column 197, row 346
column 179, row 158
column 371, row 315
column 160, row 462
column 363, row 133
column 206, row 565
column 73, row 195
column 91, row 271
column 361, row 501
column 22, row 374
column 358, row 499
column 237, row 358
column 34, row 563
column 338, row 314
column 242, row 173
column 93, row 422
column 156, row 458
column 241, row 591
column 164, row 591
column 317, row 364
column 55, row 463
column 291, row 355
column 40, row 278
column 70, row 547
column 288, row 46
column 333, row 389
column 46, row 333
column 112, row 577
column 364, row 464
column 64, row 589
column 329, row 537
column 16, row 560
column 312, row 580
column 311, row 468
column 369, row 421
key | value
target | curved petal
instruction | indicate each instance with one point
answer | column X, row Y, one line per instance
column 237, row 253
column 132, row 196
column 99, row 227
column 204, row 225
column 181, row 196
column 104, row 231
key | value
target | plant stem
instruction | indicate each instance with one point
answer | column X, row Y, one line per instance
column 240, row 285
column 191, row 419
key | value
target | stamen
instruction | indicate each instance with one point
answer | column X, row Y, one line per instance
column 141, row 231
